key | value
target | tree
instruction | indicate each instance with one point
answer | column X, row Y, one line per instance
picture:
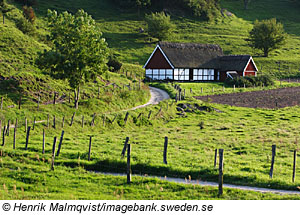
column 267, row 35
column 246, row 3
column 159, row 25
column 79, row 53
column 142, row 4
column 4, row 9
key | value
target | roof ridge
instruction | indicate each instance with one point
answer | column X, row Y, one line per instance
column 188, row 45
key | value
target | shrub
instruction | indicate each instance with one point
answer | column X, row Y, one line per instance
column 250, row 81
column 159, row 25
column 25, row 26
column 114, row 63
column 29, row 14
column 206, row 9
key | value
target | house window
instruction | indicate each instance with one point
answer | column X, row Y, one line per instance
column 203, row 74
column 159, row 74
column 181, row 74
column 169, row 74
column 162, row 74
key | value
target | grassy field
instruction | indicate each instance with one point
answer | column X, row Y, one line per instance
column 245, row 134
column 241, row 132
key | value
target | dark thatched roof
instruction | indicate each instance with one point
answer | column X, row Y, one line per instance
column 233, row 62
column 191, row 55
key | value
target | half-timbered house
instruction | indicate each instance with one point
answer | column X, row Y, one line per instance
column 196, row 62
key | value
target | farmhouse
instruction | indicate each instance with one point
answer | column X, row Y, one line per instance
column 196, row 62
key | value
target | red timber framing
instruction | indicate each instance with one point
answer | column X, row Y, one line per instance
column 158, row 60
column 250, row 69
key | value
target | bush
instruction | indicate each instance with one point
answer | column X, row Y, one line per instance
column 25, row 26
column 114, row 63
column 206, row 9
column 250, row 81
column 159, row 25
column 29, row 14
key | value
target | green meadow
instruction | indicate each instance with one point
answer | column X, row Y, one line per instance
column 245, row 134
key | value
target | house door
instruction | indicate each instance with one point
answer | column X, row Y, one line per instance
column 191, row 75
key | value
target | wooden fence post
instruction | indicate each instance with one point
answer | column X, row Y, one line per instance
column 38, row 104
column 43, row 150
column 149, row 115
column 104, row 119
column 20, row 99
column 125, row 146
column 3, row 136
column 294, row 165
column 27, row 137
column 128, row 165
column 82, row 121
column 63, row 122
column 54, row 125
column 54, row 98
column 90, row 148
column 223, row 88
column 126, row 118
column 216, row 155
column 191, row 91
column 114, row 119
column 233, row 87
column 8, row 126
column 60, row 142
column 33, row 123
column 221, row 151
column 53, row 153
column 15, row 134
column 72, row 119
column 165, row 150
column 93, row 120
column 273, row 160
column 201, row 90
column 26, row 124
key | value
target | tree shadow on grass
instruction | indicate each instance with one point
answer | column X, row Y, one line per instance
column 204, row 174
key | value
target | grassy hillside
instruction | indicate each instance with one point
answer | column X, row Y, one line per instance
column 121, row 28
column 242, row 132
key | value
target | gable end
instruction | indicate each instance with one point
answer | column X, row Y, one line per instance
column 158, row 60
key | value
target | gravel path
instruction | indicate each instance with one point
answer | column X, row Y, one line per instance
column 214, row 184
column 157, row 95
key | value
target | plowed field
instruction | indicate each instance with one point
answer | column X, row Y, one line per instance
column 278, row 98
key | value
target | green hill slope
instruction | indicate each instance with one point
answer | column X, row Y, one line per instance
column 121, row 29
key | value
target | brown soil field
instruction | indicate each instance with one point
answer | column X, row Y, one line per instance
column 269, row 99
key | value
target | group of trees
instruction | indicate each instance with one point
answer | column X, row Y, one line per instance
column 205, row 9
